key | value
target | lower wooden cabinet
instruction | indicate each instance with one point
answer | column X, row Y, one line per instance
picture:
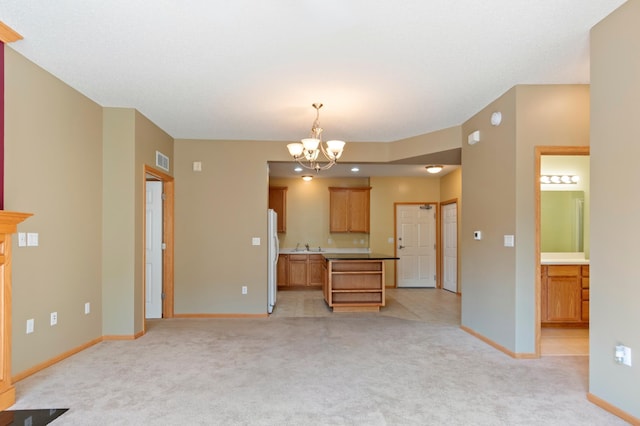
column 565, row 295
column 300, row 271
column 282, row 270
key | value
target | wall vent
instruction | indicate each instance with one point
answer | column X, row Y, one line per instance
column 162, row 161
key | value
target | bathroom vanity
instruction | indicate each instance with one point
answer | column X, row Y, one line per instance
column 564, row 290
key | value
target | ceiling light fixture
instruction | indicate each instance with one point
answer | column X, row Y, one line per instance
column 559, row 179
column 306, row 151
column 433, row 169
column 307, row 178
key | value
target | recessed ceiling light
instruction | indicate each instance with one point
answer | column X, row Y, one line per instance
column 298, row 169
column 355, row 169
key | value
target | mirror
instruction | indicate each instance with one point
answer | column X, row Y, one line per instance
column 564, row 208
column 562, row 221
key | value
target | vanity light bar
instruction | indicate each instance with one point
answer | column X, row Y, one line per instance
column 559, row 179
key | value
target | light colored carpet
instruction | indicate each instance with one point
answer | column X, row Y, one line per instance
column 333, row 369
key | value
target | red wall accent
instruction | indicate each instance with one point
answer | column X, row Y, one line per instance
column 1, row 125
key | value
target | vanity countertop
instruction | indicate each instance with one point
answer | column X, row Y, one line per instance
column 563, row 259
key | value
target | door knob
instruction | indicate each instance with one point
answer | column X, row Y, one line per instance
column 400, row 246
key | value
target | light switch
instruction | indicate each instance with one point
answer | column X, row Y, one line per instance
column 477, row 235
column 197, row 166
column 22, row 239
column 255, row 241
column 509, row 240
column 32, row 239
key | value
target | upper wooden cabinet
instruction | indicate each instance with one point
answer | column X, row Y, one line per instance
column 278, row 202
column 349, row 209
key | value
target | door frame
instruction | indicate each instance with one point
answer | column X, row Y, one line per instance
column 438, row 238
column 539, row 152
column 168, row 239
column 441, row 245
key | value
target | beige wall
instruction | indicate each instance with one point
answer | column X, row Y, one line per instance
column 53, row 161
column 488, row 192
column 218, row 212
column 130, row 142
column 308, row 214
column 118, row 194
column 498, row 190
column 387, row 191
column 615, row 207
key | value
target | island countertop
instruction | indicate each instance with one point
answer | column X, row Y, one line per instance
column 358, row 256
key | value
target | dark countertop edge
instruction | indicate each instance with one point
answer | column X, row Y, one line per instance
column 359, row 256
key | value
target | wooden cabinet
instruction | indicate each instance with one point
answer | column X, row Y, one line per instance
column 585, row 293
column 301, row 271
column 278, row 202
column 349, row 209
column 564, row 298
column 282, row 270
column 298, row 270
column 316, row 270
column 354, row 285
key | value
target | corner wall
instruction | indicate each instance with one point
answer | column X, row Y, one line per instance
column 615, row 207
column 53, row 154
column 499, row 302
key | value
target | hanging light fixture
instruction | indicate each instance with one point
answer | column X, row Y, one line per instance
column 306, row 152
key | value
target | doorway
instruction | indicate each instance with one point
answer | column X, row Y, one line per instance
column 416, row 244
column 163, row 225
column 449, row 244
column 539, row 153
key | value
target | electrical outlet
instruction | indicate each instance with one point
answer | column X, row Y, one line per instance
column 30, row 325
column 54, row 318
column 22, row 239
column 87, row 308
column 244, row 289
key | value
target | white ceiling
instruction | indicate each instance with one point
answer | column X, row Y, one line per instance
column 250, row 69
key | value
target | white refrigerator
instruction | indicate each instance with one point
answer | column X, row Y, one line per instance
column 273, row 251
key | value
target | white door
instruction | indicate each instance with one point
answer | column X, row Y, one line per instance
column 416, row 245
column 153, row 264
column 450, row 247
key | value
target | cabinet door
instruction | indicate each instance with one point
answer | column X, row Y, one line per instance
column 316, row 266
column 297, row 271
column 278, row 202
column 338, row 210
column 359, row 210
column 349, row 210
column 283, row 270
column 564, row 299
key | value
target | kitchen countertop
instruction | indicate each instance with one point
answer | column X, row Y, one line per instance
column 314, row 250
column 358, row 256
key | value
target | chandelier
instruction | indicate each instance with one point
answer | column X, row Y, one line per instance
column 306, row 152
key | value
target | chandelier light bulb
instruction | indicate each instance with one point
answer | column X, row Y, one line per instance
column 307, row 151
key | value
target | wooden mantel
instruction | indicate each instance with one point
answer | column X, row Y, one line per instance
column 8, row 225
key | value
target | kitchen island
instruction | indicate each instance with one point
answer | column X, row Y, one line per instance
column 355, row 282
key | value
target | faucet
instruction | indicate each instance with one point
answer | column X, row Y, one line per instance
column 307, row 246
